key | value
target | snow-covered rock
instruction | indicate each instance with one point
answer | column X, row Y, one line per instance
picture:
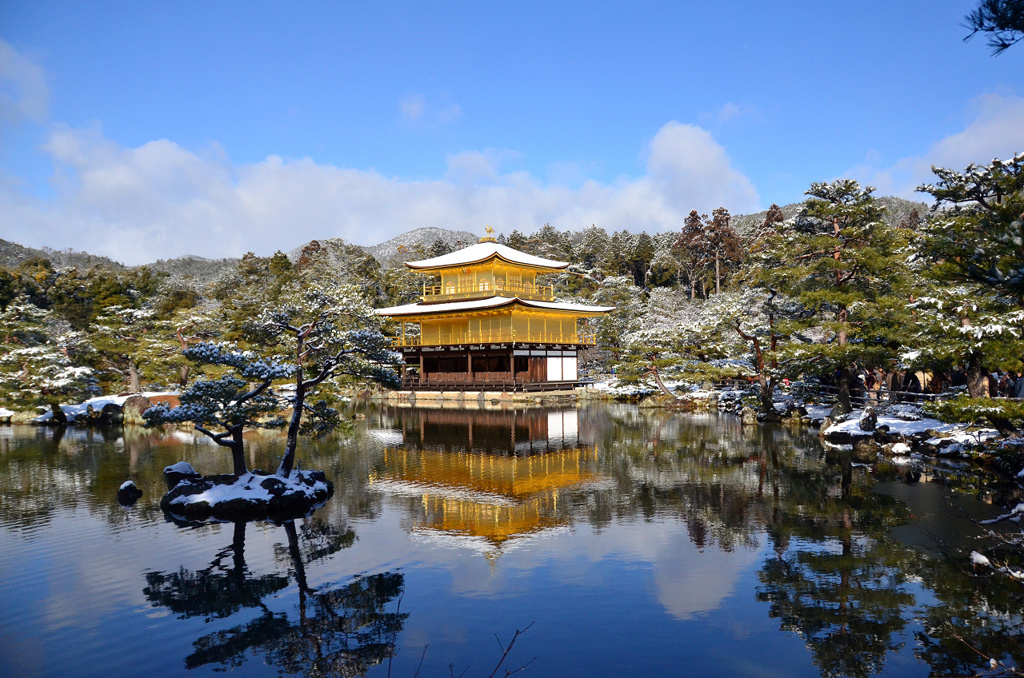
column 253, row 496
column 75, row 412
column 128, row 493
column 175, row 473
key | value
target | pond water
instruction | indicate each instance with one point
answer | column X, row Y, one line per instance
column 618, row 541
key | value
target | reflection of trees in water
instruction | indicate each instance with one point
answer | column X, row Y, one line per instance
column 845, row 595
column 217, row 591
column 47, row 469
column 975, row 618
column 837, row 579
column 339, row 631
column 719, row 477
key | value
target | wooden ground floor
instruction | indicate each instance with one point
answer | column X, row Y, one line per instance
column 491, row 367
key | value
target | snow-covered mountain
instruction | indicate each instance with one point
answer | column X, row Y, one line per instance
column 408, row 245
column 12, row 254
column 898, row 212
column 421, row 237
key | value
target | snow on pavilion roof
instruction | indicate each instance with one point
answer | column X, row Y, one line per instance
column 482, row 251
column 489, row 303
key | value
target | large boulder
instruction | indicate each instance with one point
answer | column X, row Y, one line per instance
column 108, row 415
column 133, row 408
column 826, row 424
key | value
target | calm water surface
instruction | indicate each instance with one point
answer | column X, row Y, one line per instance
column 628, row 542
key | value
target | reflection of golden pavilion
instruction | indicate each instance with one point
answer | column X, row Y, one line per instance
column 499, row 431
column 489, row 475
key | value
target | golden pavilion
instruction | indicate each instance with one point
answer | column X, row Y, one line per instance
column 490, row 324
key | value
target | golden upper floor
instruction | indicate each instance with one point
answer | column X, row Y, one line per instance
column 486, row 269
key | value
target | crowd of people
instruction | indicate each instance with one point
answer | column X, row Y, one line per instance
column 881, row 385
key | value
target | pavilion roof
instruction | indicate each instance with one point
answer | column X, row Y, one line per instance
column 418, row 309
column 482, row 251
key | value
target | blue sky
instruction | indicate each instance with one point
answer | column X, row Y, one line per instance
column 151, row 130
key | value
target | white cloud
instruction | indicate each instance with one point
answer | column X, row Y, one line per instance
column 686, row 166
column 23, row 90
column 412, row 107
column 731, row 112
column 415, row 109
column 161, row 200
column 997, row 131
column 450, row 113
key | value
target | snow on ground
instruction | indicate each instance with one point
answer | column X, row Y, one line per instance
column 4, row 413
column 818, row 412
column 81, row 409
column 897, row 424
column 614, row 387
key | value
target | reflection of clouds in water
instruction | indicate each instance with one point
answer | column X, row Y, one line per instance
column 386, row 436
column 480, row 545
column 689, row 581
column 686, row 581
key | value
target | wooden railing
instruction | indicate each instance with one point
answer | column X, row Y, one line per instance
column 490, row 381
column 577, row 339
column 437, row 293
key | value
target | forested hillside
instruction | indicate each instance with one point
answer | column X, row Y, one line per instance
column 806, row 290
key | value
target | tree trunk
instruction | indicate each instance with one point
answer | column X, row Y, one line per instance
column 768, row 397
column 844, row 390
column 977, row 382
column 183, row 379
column 288, row 460
column 133, row 377
column 238, row 450
column 718, row 276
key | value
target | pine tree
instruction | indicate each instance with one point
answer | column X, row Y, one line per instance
column 41, row 358
column 690, row 249
column 723, row 245
column 332, row 332
column 845, row 267
column 224, row 407
column 980, row 238
column 1003, row 20
column 970, row 312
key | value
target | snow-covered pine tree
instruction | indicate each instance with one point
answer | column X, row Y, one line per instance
column 331, row 332
column 846, row 268
column 971, row 309
column 41, row 357
column 242, row 398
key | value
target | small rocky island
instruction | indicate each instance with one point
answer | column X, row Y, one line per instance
column 255, row 495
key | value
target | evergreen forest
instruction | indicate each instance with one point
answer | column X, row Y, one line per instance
column 800, row 293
